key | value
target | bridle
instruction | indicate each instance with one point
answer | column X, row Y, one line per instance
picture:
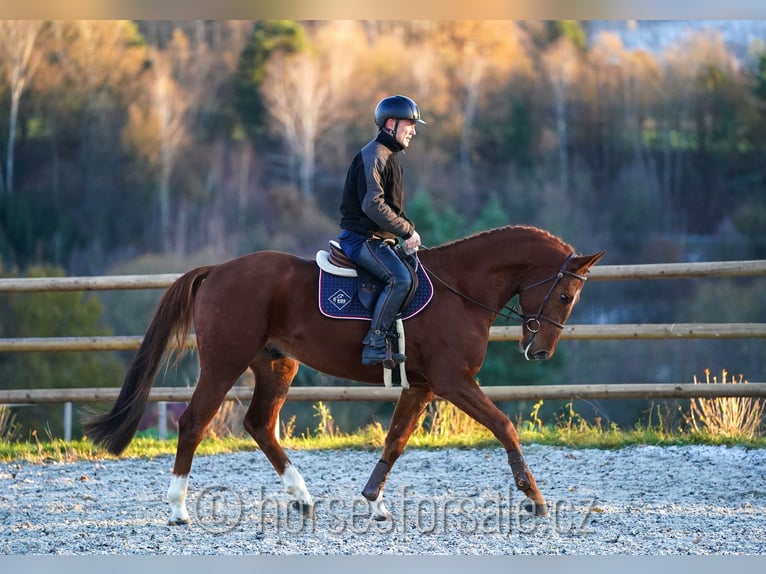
column 531, row 321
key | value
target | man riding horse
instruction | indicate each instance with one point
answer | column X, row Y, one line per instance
column 373, row 219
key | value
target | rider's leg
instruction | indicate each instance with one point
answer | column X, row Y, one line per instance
column 379, row 259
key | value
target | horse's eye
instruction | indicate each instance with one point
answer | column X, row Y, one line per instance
column 565, row 298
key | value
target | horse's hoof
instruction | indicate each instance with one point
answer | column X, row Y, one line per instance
column 307, row 509
column 178, row 522
column 378, row 510
column 534, row 508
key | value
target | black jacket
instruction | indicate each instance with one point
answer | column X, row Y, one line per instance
column 373, row 196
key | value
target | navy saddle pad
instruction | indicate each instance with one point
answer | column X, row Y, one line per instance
column 338, row 297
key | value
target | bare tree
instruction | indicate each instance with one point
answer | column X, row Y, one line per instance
column 306, row 92
column 561, row 63
column 17, row 42
column 158, row 125
column 298, row 100
column 480, row 51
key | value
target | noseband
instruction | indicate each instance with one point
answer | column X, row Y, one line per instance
column 532, row 322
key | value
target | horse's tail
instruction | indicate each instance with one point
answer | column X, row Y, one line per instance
column 172, row 320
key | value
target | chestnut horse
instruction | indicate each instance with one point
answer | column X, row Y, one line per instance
column 260, row 311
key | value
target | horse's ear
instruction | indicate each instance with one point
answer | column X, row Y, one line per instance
column 582, row 263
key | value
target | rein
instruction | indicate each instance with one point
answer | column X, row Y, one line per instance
column 532, row 321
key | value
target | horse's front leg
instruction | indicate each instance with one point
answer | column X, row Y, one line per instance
column 407, row 412
column 468, row 397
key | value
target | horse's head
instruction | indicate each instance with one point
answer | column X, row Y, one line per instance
column 547, row 303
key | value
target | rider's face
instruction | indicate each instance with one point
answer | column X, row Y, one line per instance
column 404, row 132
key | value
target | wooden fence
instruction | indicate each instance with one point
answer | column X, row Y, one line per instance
column 498, row 393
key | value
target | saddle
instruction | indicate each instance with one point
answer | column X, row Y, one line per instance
column 369, row 287
column 348, row 291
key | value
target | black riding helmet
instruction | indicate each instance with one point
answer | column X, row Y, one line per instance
column 398, row 108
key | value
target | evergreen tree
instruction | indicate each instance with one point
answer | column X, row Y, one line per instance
column 435, row 226
column 492, row 215
column 268, row 38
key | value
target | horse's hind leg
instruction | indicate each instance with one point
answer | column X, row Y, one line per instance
column 408, row 409
column 204, row 404
column 274, row 372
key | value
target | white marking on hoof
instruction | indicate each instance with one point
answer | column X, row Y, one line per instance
column 177, row 500
column 378, row 510
column 295, row 486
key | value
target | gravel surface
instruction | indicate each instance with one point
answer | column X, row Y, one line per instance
column 638, row 500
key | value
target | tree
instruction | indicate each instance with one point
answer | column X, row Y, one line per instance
column 299, row 101
column 480, row 51
column 561, row 62
column 82, row 90
column 158, row 127
column 569, row 29
column 436, row 226
column 17, row 43
column 268, row 38
column 492, row 215
column 54, row 315
column 306, row 92
column 706, row 90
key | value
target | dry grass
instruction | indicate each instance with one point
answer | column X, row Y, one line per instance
column 8, row 426
column 326, row 425
column 228, row 421
column 730, row 417
column 443, row 419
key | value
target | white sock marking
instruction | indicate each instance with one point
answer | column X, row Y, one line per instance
column 378, row 508
column 295, row 485
column 177, row 499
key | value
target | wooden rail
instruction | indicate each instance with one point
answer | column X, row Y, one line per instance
column 745, row 268
column 507, row 333
column 371, row 393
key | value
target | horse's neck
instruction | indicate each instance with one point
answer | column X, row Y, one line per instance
column 492, row 264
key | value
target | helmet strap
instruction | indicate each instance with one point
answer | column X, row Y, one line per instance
column 396, row 127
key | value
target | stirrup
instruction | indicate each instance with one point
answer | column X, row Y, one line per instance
column 378, row 349
column 383, row 355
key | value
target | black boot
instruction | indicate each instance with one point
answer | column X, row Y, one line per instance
column 377, row 349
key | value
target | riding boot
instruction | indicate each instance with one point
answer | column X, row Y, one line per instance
column 379, row 259
column 377, row 349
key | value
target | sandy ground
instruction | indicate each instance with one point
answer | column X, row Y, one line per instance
column 638, row 500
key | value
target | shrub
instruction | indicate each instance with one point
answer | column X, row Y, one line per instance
column 730, row 417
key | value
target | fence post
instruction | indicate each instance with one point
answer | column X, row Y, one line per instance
column 67, row 422
column 162, row 420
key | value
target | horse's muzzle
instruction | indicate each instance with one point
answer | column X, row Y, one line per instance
column 534, row 354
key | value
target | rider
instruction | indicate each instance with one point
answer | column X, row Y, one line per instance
column 373, row 218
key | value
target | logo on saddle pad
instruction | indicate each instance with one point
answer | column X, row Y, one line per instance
column 340, row 299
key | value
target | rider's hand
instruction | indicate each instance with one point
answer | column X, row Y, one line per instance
column 411, row 244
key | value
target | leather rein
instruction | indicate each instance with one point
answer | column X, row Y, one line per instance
column 531, row 321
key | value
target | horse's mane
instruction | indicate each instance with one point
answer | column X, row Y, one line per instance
column 511, row 228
